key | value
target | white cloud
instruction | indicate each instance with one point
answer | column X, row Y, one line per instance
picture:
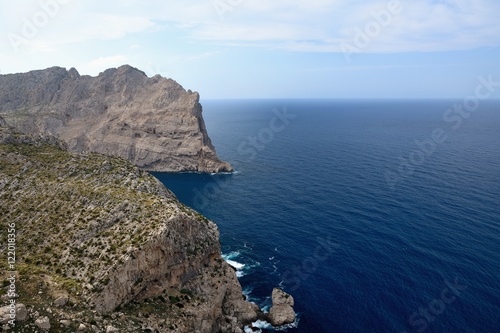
column 98, row 65
column 252, row 32
column 63, row 24
column 374, row 67
column 312, row 25
column 421, row 26
column 294, row 25
column 108, row 26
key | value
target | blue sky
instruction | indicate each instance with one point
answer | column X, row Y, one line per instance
column 263, row 48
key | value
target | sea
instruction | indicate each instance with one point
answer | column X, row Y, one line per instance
column 375, row 215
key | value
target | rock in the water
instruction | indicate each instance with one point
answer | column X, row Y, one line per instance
column 281, row 313
column 152, row 122
column 43, row 323
column 279, row 297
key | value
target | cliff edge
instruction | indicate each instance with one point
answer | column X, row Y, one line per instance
column 152, row 122
column 100, row 245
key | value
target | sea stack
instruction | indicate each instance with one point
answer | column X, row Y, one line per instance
column 281, row 312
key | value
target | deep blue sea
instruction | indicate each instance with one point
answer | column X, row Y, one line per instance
column 376, row 215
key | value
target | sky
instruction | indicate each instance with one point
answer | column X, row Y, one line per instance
column 265, row 48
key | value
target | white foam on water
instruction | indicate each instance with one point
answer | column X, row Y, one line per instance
column 275, row 266
column 261, row 324
column 231, row 255
column 235, row 264
column 229, row 258
column 247, row 291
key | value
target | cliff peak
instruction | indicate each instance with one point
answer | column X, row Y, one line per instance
column 152, row 122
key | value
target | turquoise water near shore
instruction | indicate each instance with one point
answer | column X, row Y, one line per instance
column 376, row 215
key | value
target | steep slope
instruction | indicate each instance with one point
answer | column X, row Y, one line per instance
column 103, row 244
column 152, row 122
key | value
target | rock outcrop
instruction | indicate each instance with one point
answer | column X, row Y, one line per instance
column 152, row 122
column 103, row 244
column 43, row 323
column 17, row 312
column 281, row 313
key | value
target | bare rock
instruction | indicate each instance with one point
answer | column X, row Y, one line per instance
column 8, row 313
column 65, row 322
column 279, row 297
column 111, row 329
column 61, row 301
column 152, row 122
column 43, row 323
column 281, row 313
column 21, row 312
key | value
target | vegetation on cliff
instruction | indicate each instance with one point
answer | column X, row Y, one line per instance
column 102, row 245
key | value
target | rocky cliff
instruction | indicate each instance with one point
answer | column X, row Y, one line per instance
column 102, row 246
column 152, row 122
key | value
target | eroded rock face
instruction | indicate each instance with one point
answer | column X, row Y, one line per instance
column 152, row 122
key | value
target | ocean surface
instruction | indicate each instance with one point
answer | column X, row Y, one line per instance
column 376, row 215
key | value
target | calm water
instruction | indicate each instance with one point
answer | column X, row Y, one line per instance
column 377, row 216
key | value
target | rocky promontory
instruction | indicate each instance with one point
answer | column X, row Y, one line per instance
column 102, row 246
column 152, row 122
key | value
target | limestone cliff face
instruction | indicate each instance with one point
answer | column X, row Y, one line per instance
column 152, row 122
column 101, row 243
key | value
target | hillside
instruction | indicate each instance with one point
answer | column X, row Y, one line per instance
column 102, row 246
